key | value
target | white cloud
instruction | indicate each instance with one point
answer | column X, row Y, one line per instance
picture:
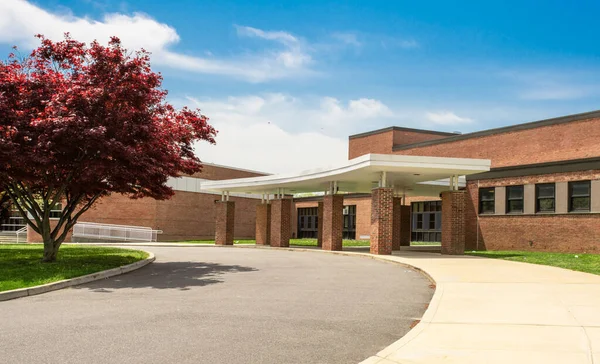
column 347, row 38
column 273, row 133
column 447, row 118
column 20, row 20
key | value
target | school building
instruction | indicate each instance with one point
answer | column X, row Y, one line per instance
column 532, row 186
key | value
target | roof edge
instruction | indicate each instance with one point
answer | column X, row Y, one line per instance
column 504, row 129
column 400, row 128
column 564, row 166
column 234, row 168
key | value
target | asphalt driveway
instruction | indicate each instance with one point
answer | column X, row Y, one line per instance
column 221, row 305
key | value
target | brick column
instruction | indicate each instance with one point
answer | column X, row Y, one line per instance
column 320, row 224
column 405, row 225
column 453, row 222
column 225, row 216
column 280, row 222
column 382, row 209
column 397, row 222
column 263, row 224
column 333, row 222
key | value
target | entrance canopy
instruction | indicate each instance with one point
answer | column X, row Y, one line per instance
column 409, row 175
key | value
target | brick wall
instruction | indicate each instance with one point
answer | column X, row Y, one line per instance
column 381, row 220
column 224, row 222
column 573, row 140
column 570, row 232
column 453, row 222
column 382, row 142
column 186, row 216
column 332, row 222
column 280, row 222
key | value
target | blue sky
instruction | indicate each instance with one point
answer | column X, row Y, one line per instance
column 286, row 82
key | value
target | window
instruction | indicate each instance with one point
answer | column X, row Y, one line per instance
column 579, row 196
column 544, row 196
column 432, row 222
column 514, row 199
column 487, row 198
column 420, row 221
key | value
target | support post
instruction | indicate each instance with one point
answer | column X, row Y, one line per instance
column 453, row 222
column 263, row 224
column 225, row 221
column 405, row 225
column 320, row 224
column 397, row 225
column 333, row 222
column 281, row 222
column 382, row 220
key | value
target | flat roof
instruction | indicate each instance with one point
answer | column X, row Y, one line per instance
column 413, row 175
column 399, row 128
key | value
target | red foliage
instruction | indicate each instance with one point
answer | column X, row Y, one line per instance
column 93, row 120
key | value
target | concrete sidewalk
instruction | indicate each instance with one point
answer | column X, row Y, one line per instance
column 496, row 311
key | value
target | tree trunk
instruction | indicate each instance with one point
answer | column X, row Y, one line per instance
column 50, row 246
column 50, row 251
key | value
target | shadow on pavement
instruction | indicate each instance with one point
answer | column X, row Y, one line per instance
column 168, row 275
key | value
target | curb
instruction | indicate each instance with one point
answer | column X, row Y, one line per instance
column 54, row 286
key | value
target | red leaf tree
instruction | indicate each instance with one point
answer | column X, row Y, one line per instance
column 80, row 122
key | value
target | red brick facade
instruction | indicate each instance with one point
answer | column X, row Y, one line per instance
column 573, row 140
column 185, row 216
column 332, row 222
column 280, row 222
column 224, row 222
column 382, row 142
column 263, row 224
column 382, row 220
column 453, row 222
column 559, row 232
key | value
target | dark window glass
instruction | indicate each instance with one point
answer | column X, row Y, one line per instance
column 432, row 222
column 514, row 199
column 544, row 194
column 419, row 221
column 579, row 196
column 487, row 198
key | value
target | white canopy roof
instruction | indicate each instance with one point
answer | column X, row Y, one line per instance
column 412, row 175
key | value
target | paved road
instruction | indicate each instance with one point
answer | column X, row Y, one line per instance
column 220, row 305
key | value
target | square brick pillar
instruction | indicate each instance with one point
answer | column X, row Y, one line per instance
column 397, row 223
column 281, row 215
column 453, row 222
column 320, row 224
column 382, row 211
column 225, row 221
column 263, row 224
column 405, row 225
column 333, row 222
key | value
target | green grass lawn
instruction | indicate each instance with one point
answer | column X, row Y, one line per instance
column 589, row 263
column 420, row 243
column 20, row 264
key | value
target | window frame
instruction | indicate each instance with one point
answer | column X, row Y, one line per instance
column 538, row 209
column 509, row 199
column 571, row 196
column 481, row 200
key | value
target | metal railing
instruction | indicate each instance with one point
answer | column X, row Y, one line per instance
column 95, row 231
column 21, row 231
